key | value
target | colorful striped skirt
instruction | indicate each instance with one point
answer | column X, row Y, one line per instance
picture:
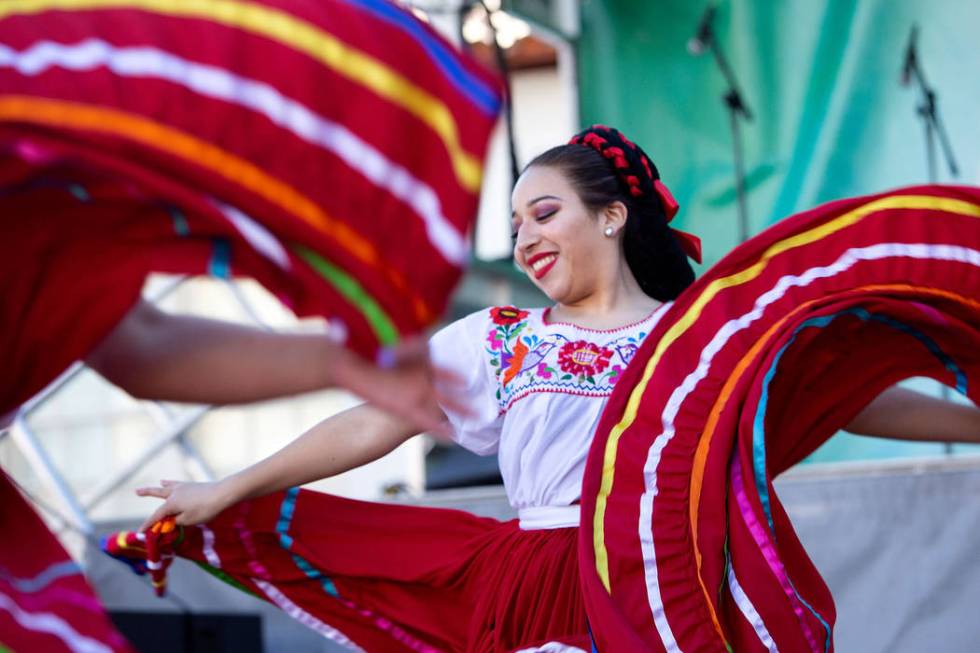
column 45, row 602
column 388, row 577
column 332, row 150
column 684, row 543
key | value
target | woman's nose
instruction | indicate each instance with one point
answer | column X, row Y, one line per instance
column 526, row 238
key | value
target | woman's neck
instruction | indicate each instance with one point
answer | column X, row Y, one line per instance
column 613, row 305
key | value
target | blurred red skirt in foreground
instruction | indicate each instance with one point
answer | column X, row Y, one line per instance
column 332, row 150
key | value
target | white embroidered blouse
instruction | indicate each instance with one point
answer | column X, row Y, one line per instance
column 536, row 389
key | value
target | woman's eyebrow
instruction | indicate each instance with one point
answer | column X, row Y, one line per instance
column 543, row 197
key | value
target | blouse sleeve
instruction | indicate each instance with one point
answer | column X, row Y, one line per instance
column 459, row 348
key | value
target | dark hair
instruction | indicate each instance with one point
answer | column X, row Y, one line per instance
column 610, row 168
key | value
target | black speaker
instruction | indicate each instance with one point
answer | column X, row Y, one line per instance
column 173, row 632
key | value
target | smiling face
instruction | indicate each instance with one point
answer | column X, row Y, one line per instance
column 558, row 241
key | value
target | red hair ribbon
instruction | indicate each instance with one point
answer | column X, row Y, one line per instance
column 690, row 243
column 670, row 204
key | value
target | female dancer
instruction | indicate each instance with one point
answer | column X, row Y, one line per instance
column 591, row 229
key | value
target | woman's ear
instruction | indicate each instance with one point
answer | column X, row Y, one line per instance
column 614, row 215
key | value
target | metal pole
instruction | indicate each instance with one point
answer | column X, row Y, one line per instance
column 737, row 108
column 41, row 465
column 930, row 143
column 740, row 192
column 175, row 431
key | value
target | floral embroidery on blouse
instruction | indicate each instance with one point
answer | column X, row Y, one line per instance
column 583, row 358
column 525, row 361
column 504, row 315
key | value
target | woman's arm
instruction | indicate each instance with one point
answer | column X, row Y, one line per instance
column 347, row 440
column 153, row 354
column 156, row 355
column 904, row 414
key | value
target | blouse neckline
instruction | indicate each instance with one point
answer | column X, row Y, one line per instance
column 625, row 327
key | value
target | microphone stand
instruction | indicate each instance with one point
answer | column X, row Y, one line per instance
column 737, row 109
column 930, row 117
column 508, row 104
column 933, row 125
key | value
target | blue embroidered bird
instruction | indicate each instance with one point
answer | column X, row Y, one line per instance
column 626, row 350
column 530, row 358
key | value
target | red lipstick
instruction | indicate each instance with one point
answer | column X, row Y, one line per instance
column 541, row 264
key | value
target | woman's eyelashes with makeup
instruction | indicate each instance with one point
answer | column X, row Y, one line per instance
column 540, row 211
column 539, row 216
column 545, row 213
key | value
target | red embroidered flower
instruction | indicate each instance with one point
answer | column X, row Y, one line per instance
column 583, row 358
column 505, row 315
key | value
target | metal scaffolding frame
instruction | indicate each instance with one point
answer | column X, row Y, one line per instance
column 172, row 429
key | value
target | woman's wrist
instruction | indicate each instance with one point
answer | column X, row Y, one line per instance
column 233, row 489
column 343, row 368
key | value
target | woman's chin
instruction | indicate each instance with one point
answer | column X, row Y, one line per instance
column 552, row 287
column 556, row 295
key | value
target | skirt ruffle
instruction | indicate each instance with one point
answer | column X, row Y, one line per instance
column 45, row 602
column 223, row 139
column 684, row 543
column 388, row 577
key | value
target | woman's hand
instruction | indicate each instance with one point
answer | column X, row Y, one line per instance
column 189, row 503
column 407, row 385
column 349, row 439
column 155, row 355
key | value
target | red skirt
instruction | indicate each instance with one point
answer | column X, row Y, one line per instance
column 45, row 603
column 685, row 545
column 109, row 173
column 387, row 577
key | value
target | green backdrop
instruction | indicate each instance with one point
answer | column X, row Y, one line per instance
column 831, row 119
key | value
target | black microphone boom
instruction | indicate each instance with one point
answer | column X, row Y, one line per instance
column 910, row 57
column 697, row 43
column 927, row 110
column 703, row 40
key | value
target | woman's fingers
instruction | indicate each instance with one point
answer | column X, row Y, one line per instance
column 161, row 512
column 184, row 519
column 455, row 404
column 414, row 414
column 448, row 388
column 451, row 379
column 163, row 491
column 443, row 432
column 411, row 351
column 158, row 492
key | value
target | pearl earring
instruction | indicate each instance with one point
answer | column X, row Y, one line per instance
column 609, row 231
